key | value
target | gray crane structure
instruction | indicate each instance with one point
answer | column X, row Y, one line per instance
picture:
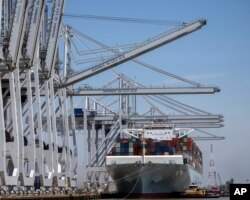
column 38, row 123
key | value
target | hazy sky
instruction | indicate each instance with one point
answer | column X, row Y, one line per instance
column 218, row 54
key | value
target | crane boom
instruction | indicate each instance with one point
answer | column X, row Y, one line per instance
column 160, row 117
column 208, row 138
column 142, row 91
column 145, row 47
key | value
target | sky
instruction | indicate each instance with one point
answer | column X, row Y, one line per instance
column 216, row 55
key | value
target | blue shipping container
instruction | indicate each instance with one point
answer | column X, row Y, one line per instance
column 78, row 112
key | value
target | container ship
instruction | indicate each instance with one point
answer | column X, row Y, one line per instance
column 156, row 161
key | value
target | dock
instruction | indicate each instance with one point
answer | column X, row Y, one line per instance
column 86, row 196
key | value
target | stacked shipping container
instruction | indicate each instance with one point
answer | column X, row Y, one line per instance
column 177, row 146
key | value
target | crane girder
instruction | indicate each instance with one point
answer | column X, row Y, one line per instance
column 177, row 117
column 198, row 125
column 180, row 121
column 200, row 138
column 143, row 48
column 186, row 124
column 188, row 118
column 163, row 120
column 142, row 91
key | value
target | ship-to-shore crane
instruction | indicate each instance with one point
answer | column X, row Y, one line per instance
column 37, row 113
column 24, row 155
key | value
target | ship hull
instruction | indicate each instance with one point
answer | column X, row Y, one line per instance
column 153, row 180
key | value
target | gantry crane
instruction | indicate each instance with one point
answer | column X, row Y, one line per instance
column 23, row 147
column 37, row 130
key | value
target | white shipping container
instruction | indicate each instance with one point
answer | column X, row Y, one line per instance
column 117, row 145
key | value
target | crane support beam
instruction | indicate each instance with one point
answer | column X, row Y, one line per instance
column 142, row 91
column 145, row 47
column 2, row 138
column 17, row 29
column 1, row 28
column 177, row 117
column 34, row 30
column 54, row 33
column 157, row 120
column 195, row 125
column 189, row 118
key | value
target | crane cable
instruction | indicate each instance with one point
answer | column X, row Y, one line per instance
column 168, row 99
column 138, row 61
column 125, row 19
column 158, row 98
column 167, row 73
